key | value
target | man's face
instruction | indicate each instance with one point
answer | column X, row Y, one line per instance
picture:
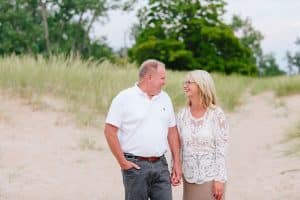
column 157, row 80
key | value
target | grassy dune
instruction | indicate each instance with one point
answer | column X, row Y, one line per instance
column 282, row 86
column 293, row 139
column 88, row 87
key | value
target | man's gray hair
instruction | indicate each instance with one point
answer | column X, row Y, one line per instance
column 149, row 65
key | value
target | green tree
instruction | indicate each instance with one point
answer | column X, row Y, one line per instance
column 248, row 35
column 170, row 51
column 251, row 38
column 206, row 41
column 17, row 20
column 269, row 67
column 54, row 26
column 294, row 59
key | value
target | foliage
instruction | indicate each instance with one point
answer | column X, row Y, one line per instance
column 294, row 60
column 252, row 38
column 54, row 26
column 269, row 67
column 170, row 51
column 206, row 41
column 248, row 35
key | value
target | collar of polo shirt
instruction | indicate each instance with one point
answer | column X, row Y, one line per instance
column 141, row 92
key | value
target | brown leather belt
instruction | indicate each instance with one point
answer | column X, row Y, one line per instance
column 149, row 159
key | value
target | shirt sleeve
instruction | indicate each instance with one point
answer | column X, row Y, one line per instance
column 114, row 116
column 179, row 128
column 172, row 119
column 221, row 139
column 178, row 122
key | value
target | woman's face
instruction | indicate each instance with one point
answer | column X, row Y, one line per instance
column 190, row 87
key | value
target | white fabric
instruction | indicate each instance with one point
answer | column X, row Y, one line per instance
column 203, row 141
column 143, row 123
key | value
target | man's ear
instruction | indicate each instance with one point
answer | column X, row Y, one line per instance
column 149, row 76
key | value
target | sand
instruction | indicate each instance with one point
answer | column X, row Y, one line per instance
column 45, row 155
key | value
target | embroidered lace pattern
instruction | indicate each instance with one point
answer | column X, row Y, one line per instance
column 204, row 142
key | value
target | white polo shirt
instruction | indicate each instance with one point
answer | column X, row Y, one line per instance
column 143, row 123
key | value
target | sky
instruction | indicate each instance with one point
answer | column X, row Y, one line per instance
column 277, row 20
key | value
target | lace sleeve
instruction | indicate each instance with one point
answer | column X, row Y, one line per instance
column 178, row 121
column 221, row 139
column 179, row 128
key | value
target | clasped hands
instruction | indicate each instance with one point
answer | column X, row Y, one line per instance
column 176, row 175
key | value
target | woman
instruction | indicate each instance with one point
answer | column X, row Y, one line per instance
column 203, row 132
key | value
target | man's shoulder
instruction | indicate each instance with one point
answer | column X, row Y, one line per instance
column 165, row 95
column 125, row 93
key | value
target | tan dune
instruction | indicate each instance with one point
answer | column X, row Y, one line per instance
column 44, row 155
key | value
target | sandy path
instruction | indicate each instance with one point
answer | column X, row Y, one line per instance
column 42, row 154
column 258, row 169
column 42, row 157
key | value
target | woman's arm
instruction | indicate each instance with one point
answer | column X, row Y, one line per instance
column 221, row 142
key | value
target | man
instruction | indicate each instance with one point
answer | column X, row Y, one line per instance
column 139, row 125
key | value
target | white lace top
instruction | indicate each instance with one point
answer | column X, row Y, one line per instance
column 203, row 142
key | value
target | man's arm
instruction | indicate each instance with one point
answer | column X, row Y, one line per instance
column 174, row 143
column 111, row 134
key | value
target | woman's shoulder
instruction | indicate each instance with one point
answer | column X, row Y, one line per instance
column 181, row 112
column 217, row 110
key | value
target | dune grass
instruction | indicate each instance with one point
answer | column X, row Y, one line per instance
column 231, row 89
column 88, row 87
column 293, row 138
column 282, row 86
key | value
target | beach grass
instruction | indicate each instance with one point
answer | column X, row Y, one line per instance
column 282, row 85
column 88, row 87
column 293, row 139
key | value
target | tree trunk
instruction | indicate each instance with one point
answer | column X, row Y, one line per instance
column 86, row 34
column 45, row 22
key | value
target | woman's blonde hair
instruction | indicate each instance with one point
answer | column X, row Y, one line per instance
column 206, row 85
